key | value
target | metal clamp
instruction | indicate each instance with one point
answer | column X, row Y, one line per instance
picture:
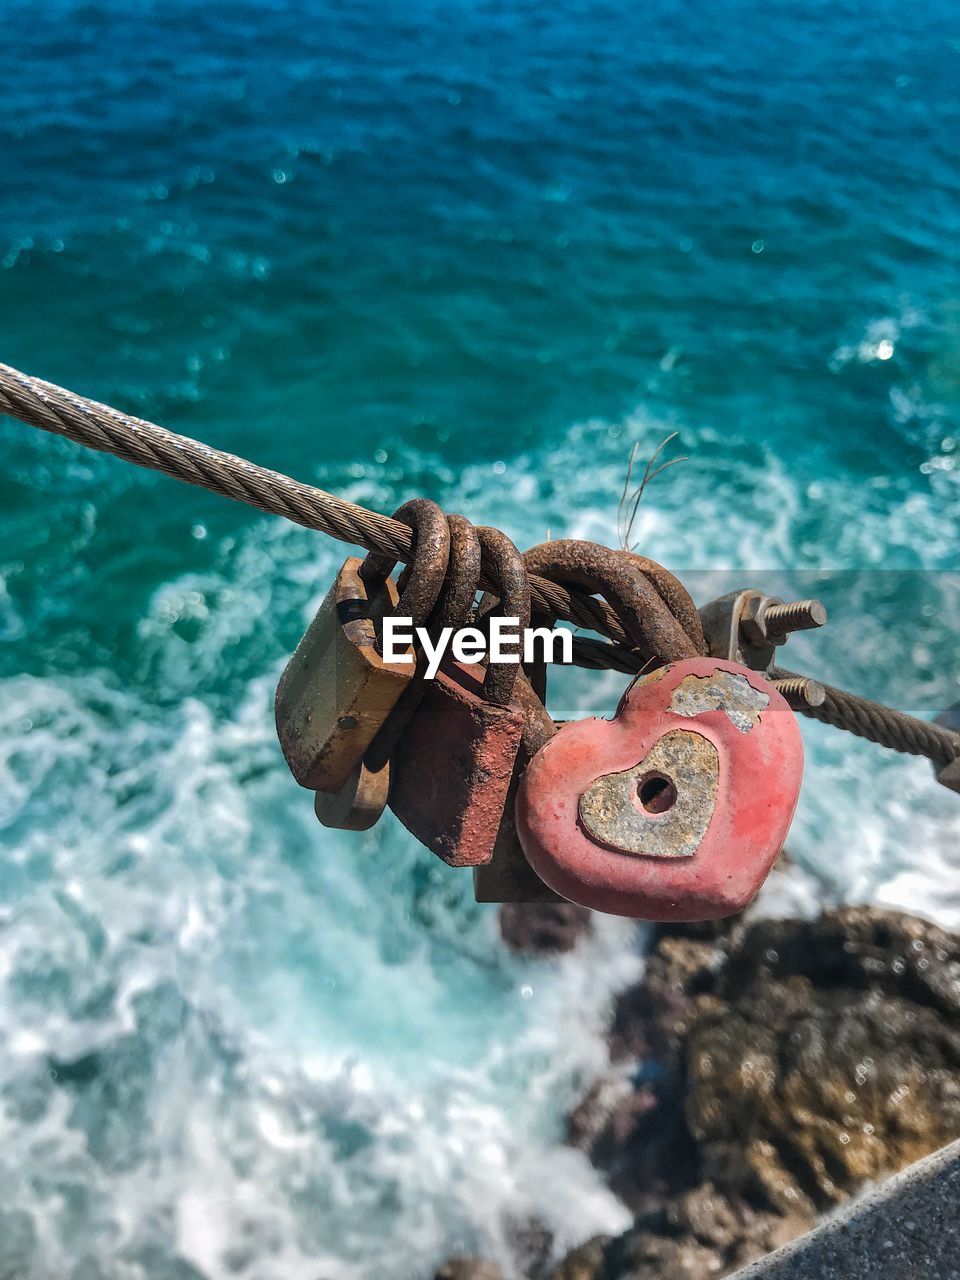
column 748, row 627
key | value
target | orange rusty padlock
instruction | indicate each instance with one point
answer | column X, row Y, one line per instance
column 336, row 690
column 678, row 807
column 451, row 769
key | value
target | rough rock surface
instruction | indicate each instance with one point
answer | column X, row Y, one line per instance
column 761, row 1075
column 583, row 1262
column 543, row 928
column 468, row 1269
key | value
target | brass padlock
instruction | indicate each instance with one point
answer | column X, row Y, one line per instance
column 337, row 690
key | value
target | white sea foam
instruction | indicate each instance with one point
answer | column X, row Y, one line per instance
column 278, row 1051
column 265, row 1060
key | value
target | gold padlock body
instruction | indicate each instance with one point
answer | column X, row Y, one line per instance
column 336, row 691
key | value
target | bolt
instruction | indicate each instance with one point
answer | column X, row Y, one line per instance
column 799, row 615
column 801, row 692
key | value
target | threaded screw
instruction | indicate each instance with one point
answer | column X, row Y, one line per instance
column 801, row 692
column 799, row 615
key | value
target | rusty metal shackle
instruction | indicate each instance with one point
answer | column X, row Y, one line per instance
column 509, row 572
column 422, row 580
column 459, row 590
column 456, row 583
column 674, row 595
column 637, row 602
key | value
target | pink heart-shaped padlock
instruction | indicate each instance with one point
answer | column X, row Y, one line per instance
column 677, row 808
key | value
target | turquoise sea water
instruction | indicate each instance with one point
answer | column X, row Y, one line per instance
column 473, row 251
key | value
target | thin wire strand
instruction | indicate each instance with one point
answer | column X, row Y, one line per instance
column 625, row 529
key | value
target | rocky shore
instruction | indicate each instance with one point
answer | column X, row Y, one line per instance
column 760, row 1074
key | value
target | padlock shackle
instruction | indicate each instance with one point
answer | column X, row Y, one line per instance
column 506, row 565
column 423, row 579
column 674, row 595
column 459, row 589
column 452, row 608
column 617, row 576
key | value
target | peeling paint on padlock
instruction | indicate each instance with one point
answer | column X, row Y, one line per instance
column 723, row 691
column 582, row 839
column 661, row 806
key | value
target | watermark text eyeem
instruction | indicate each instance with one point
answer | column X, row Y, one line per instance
column 505, row 643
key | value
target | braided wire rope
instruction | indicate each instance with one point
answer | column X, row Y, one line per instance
column 881, row 724
column 98, row 426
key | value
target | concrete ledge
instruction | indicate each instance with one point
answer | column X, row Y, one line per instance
column 907, row 1228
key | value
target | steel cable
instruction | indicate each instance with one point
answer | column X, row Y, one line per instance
column 98, row 426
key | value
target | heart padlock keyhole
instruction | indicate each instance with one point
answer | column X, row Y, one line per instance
column 656, row 793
